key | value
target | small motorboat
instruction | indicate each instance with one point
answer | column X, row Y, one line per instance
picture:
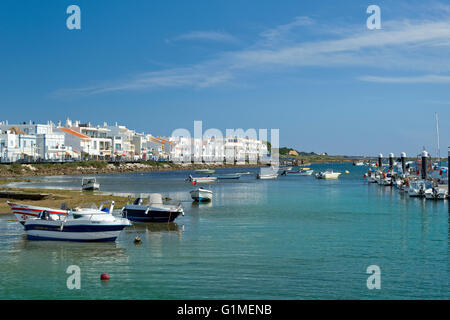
column 329, row 174
column 89, row 184
column 201, row 194
column 153, row 211
column 201, row 179
column 77, row 225
column 417, row 188
column 300, row 172
column 436, row 193
column 359, row 163
column 205, row 171
column 267, row 173
column 228, row 176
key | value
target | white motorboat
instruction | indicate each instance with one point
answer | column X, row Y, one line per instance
column 75, row 225
column 152, row 211
column 201, row 179
column 201, row 194
column 329, row 174
column 267, row 173
column 205, row 171
column 89, row 184
column 417, row 188
column 359, row 163
column 436, row 193
column 267, row 176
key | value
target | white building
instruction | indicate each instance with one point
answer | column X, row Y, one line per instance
column 39, row 141
column 93, row 142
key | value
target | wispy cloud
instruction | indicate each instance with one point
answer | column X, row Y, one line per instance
column 406, row 45
column 216, row 36
column 413, row 79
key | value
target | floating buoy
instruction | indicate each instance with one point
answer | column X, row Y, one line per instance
column 104, row 277
column 137, row 240
column 346, row 171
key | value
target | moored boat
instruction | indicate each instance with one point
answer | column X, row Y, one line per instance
column 329, row 174
column 89, row 184
column 201, row 179
column 76, row 225
column 205, row 171
column 201, row 194
column 228, row 176
column 300, row 172
column 153, row 211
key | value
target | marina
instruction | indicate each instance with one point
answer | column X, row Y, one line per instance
column 345, row 214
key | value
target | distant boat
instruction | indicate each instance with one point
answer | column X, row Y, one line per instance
column 229, row 176
column 417, row 188
column 205, row 171
column 300, row 172
column 88, row 184
column 267, row 173
column 152, row 211
column 329, row 174
column 359, row 163
column 200, row 194
column 436, row 193
column 201, row 179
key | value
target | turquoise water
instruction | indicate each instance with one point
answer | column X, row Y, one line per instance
column 291, row 238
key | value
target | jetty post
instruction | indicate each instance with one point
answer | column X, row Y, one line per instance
column 424, row 164
column 380, row 161
column 391, row 161
column 403, row 159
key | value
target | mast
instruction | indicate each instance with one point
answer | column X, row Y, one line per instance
column 437, row 135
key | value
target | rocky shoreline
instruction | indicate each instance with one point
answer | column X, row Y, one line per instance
column 99, row 167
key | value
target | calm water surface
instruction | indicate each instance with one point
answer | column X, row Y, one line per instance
column 291, row 238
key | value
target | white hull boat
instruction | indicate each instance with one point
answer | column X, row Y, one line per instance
column 89, row 184
column 226, row 176
column 205, row 171
column 84, row 224
column 201, row 194
column 417, row 189
column 329, row 174
column 436, row 193
column 267, row 176
column 201, row 179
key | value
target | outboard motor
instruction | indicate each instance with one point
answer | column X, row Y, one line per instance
column 138, row 202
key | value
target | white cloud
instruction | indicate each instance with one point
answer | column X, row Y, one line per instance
column 413, row 79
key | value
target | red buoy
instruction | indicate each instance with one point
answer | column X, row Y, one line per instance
column 104, row 276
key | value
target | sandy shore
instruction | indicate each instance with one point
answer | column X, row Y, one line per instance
column 71, row 198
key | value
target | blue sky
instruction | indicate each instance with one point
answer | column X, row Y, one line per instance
column 310, row 69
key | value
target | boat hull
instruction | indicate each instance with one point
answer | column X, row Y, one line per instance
column 198, row 195
column 52, row 230
column 142, row 215
column 24, row 212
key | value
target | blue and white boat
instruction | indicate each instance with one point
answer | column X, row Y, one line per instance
column 299, row 172
column 201, row 194
column 77, row 225
column 152, row 211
